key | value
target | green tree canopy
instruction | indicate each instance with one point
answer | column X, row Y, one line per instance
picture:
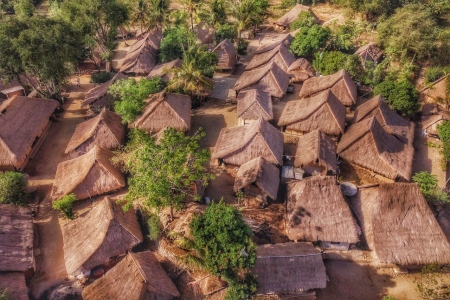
column 444, row 135
column 226, row 31
column 249, row 13
column 176, row 39
column 401, row 95
column 304, row 19
column 214, row 12
column 310, row 39
column 429, row 186
column 329, row 62
column 149, row 13
column 13, row 188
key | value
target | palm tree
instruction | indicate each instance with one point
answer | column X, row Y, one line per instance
column 214, row 12
column 191, row 81
column 150, row 13
column 192, row 7
column 248, row 13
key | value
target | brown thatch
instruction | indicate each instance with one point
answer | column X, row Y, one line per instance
column 88, row 175
column 368, row 145
column 292, row 15
column 238, row 145
column 226, row 52
column 269, row 78
column 322, row 111
column 141, row 57
column 316, row 151
column 285, row 39
column 99, row 96
column 399, row 226
column 289, row 268
column 301, row 69
column 254, row 104
column 22, row 121
column 370, row 52
column 11, row 89
column 105, row 131
column 166, row 110
column 105, row 231
column 431, row 122
column 317, row 211
column 339, row 83
column 204, row 33
column 436, row 90
column 163, row 70
column 16, row 238
column 182, row 224
column 14, row 283
column 280, row 55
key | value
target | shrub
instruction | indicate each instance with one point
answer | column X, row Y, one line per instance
column 65, row 205
column 308, row 40
column 329, row 62
column 226, row 31
column 401, row 95
column 434, row 73
column 101, row 77
column 242, row 47
column 304, row 19
column 154, row 226
column 444, row 135
column 429, row 186
column 175, row 40
column 13, row 188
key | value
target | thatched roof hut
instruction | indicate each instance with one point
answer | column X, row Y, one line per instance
column 204, row 33
column 252, row 105
column 163, row 70
column 92, row 239
column 431, row 122
column 238, row 145
column 105, row 131
column 280, row 55
column 269, row 78
column 300, row 70
column 289, row 17
column 182, row 224
column 399, row 226
column 23, row 121
column 289, row 268
column 316, row 153
column 322, row 111
column 285, row 39
column 437, row 90
column 99, row 96
column 88, row 175
column 317, row 211
column 226, row 52
column 11, row 89
column 14, row 283
column 339, row 83
column 16, row 238
column 370, row 52
column 369, row 145
column 165, row 110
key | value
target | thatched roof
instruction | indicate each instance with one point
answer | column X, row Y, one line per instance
column 316, row 148
column 317, row 211
column 141, row 57
column 166, row 110
column 436, row 90
column 105, row 231
column 322, row 111
column 227, row 47
column 22, row 119
column 15, row 284
column 162, row 70
column 292, row 15
column 289, row 268
column 88, row 175
column 369, row 145
column 280, row 55
column 340, row 84
column 301, row 69
column 105, row 130
column 99, row 95
column 399, row 226
column 269, row 78
column 16, row 238
column 285, row 39
column 254, row 104
column 238, row 145
column 430, row 123
column 370, row 51
column 182, row 224
column 204, row 33
column 260, row 172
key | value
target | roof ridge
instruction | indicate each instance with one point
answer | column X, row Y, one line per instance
column 138, row 266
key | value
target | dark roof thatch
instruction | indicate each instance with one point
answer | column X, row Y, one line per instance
column 163, row 70
column 166, row 110
column 399, row 226
column 280, row 55
column 88, row 175
column 105, row 231
column 339, row 83
column 317, row 211
column 370, row 51
column 227, row 61
column 260, row 172
column 292, row 15
column 16, row 238
column 204, row 33
column 430, row 123
column 316, row 148
column 301, row 69
column 254, row 104
column 105, row 130
column 99, row 95
column 238, row 145
column 369, row 145
column 22, row 119
column 14, row 283
column 289, row 268
column 322, row 111
column 285, row 39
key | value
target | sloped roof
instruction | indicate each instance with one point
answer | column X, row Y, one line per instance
column 99, row 91
column 292, row 15
column 303, row 64
column 141, row 57
column 204, row 33
column 437, row 89
column 254, row 104
column 228, row 47
column 285, row 39
column 162, row 70
column 280, row 55
column 430, row 120
column 371, row 50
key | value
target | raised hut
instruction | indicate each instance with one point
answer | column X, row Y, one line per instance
column 163, row 70
column 285, row 39
column 252, row 105
column 105, row 131
column 317, row 211
column 165, row 110
column 399, row 226
column 430, row 124
column 88, row 175
column 279, row 55
column 226, row 52
column 23, row 123
column 99, row 96
column 285, row 20
column 238, row 145
column 289, row 268
column 370, row 52
column 300, row 70
column 322, row 111
column 339, row 83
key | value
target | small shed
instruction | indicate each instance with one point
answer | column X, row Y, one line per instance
column 252, row 105
column 204, row 33
column 285, row 39
column 226, row 52
column 285, row 20
column 430, row 124
column 300, row 70
column 279, row 55
column 163, row 70
column 99, row 96
column 370, row 52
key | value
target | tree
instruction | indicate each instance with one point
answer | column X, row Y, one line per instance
column 192, row 8
column 24, row 8
column 65, row 205
column 249, row 13
column 226, row 31
column 444, row 135
column 429, row 186
column 304, row 19
column 202, row 59
column 175, row 40
column 308, row 40
column 13, row 188
column 150, row 13
column 214, row 12
column 401, row 95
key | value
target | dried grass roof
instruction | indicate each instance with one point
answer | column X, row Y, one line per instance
column 105, row 231
column 285, row 39
column 280, row 55
column 228, row 47
column 340, row 84
column 289, row 268
column 399, row 226
column 317, row 211
column 204, row 33
column 162, row 70
column 16, row 238
column 316, row 148
column 100, row 91
column 15, row 284
column 436, row 90
column 105, row 130
column 260, row 172
column 322, row 111
column 369, row 145
column 141, row 57
column 254, row 104
column 182, row 225
column 301, row 64
column 430, row 120
column 166, row 110
column 370, row 50
column 88, row 175
column 292, row 15
column 22, row 119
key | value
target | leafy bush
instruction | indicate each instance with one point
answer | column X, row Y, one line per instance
column 242, row 289
column 226, row 31
column 434, row 73
column 154, row 226
column 175, row 40
column 444, row 135
column 329, row 62
column 101, row 77
column 401, row 95
column 65, row 205
column 308, row 40
column 429, row 186
column 13, row 188
column 304, row 19
column 242, row 47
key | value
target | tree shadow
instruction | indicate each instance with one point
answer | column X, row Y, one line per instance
column 211, row 125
